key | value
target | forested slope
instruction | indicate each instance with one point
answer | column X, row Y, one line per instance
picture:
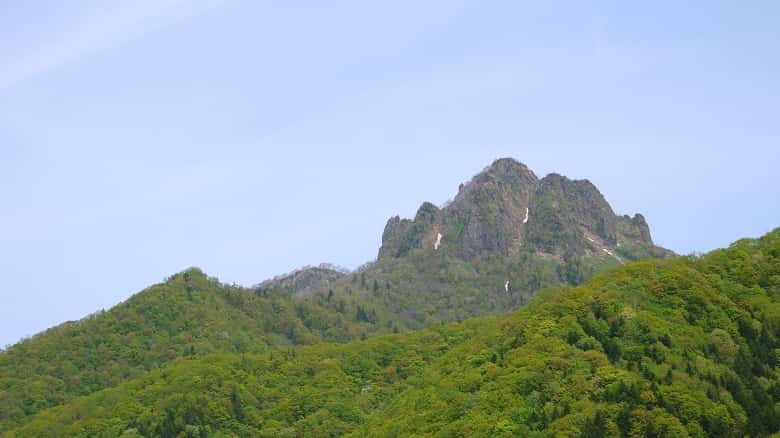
column 191, row 315
column 679, row 347
column 188, row 315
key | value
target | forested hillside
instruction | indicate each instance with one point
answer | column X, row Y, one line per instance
column 191, row 315
column 188, row 315
column 505, row 236
column 678, row 347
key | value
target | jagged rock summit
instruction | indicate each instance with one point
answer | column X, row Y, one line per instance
column 506, row 209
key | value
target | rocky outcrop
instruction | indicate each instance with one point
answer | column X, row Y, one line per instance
column 395, row 232
column 490, row 210
column 506, row 209
column 303, row 280
column 634, row 228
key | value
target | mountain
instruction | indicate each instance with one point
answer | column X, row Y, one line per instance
column 505, row 236
column 506, row 209
column 655, row 348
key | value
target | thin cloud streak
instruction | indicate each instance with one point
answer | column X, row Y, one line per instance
column 102, row 30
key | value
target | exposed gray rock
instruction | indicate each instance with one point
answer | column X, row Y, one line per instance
column 506, row 209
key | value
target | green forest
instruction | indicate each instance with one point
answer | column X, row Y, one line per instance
column 687, row 346
column 192, row 315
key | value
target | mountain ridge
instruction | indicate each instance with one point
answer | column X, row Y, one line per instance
column 304, row 279
column 434, row 281
column 677, row 347
column 506, row 206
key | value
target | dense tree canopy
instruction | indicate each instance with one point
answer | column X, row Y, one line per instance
column 192, row 315
column 679, row 347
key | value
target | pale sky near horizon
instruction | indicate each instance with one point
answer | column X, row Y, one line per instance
column 138, row 138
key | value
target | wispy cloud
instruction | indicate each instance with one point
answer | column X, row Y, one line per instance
column 96, row 31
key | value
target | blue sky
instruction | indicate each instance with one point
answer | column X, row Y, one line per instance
column 138, row 138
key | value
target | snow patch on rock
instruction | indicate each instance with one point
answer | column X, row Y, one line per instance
column 525, row 220
column 613, row 254
column 438, row 242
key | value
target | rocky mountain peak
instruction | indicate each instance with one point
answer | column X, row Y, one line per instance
column 506, row 209
column 507, row 170
column 503, row 174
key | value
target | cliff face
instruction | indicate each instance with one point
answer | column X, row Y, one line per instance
column 489, row 213
column 506, row 209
